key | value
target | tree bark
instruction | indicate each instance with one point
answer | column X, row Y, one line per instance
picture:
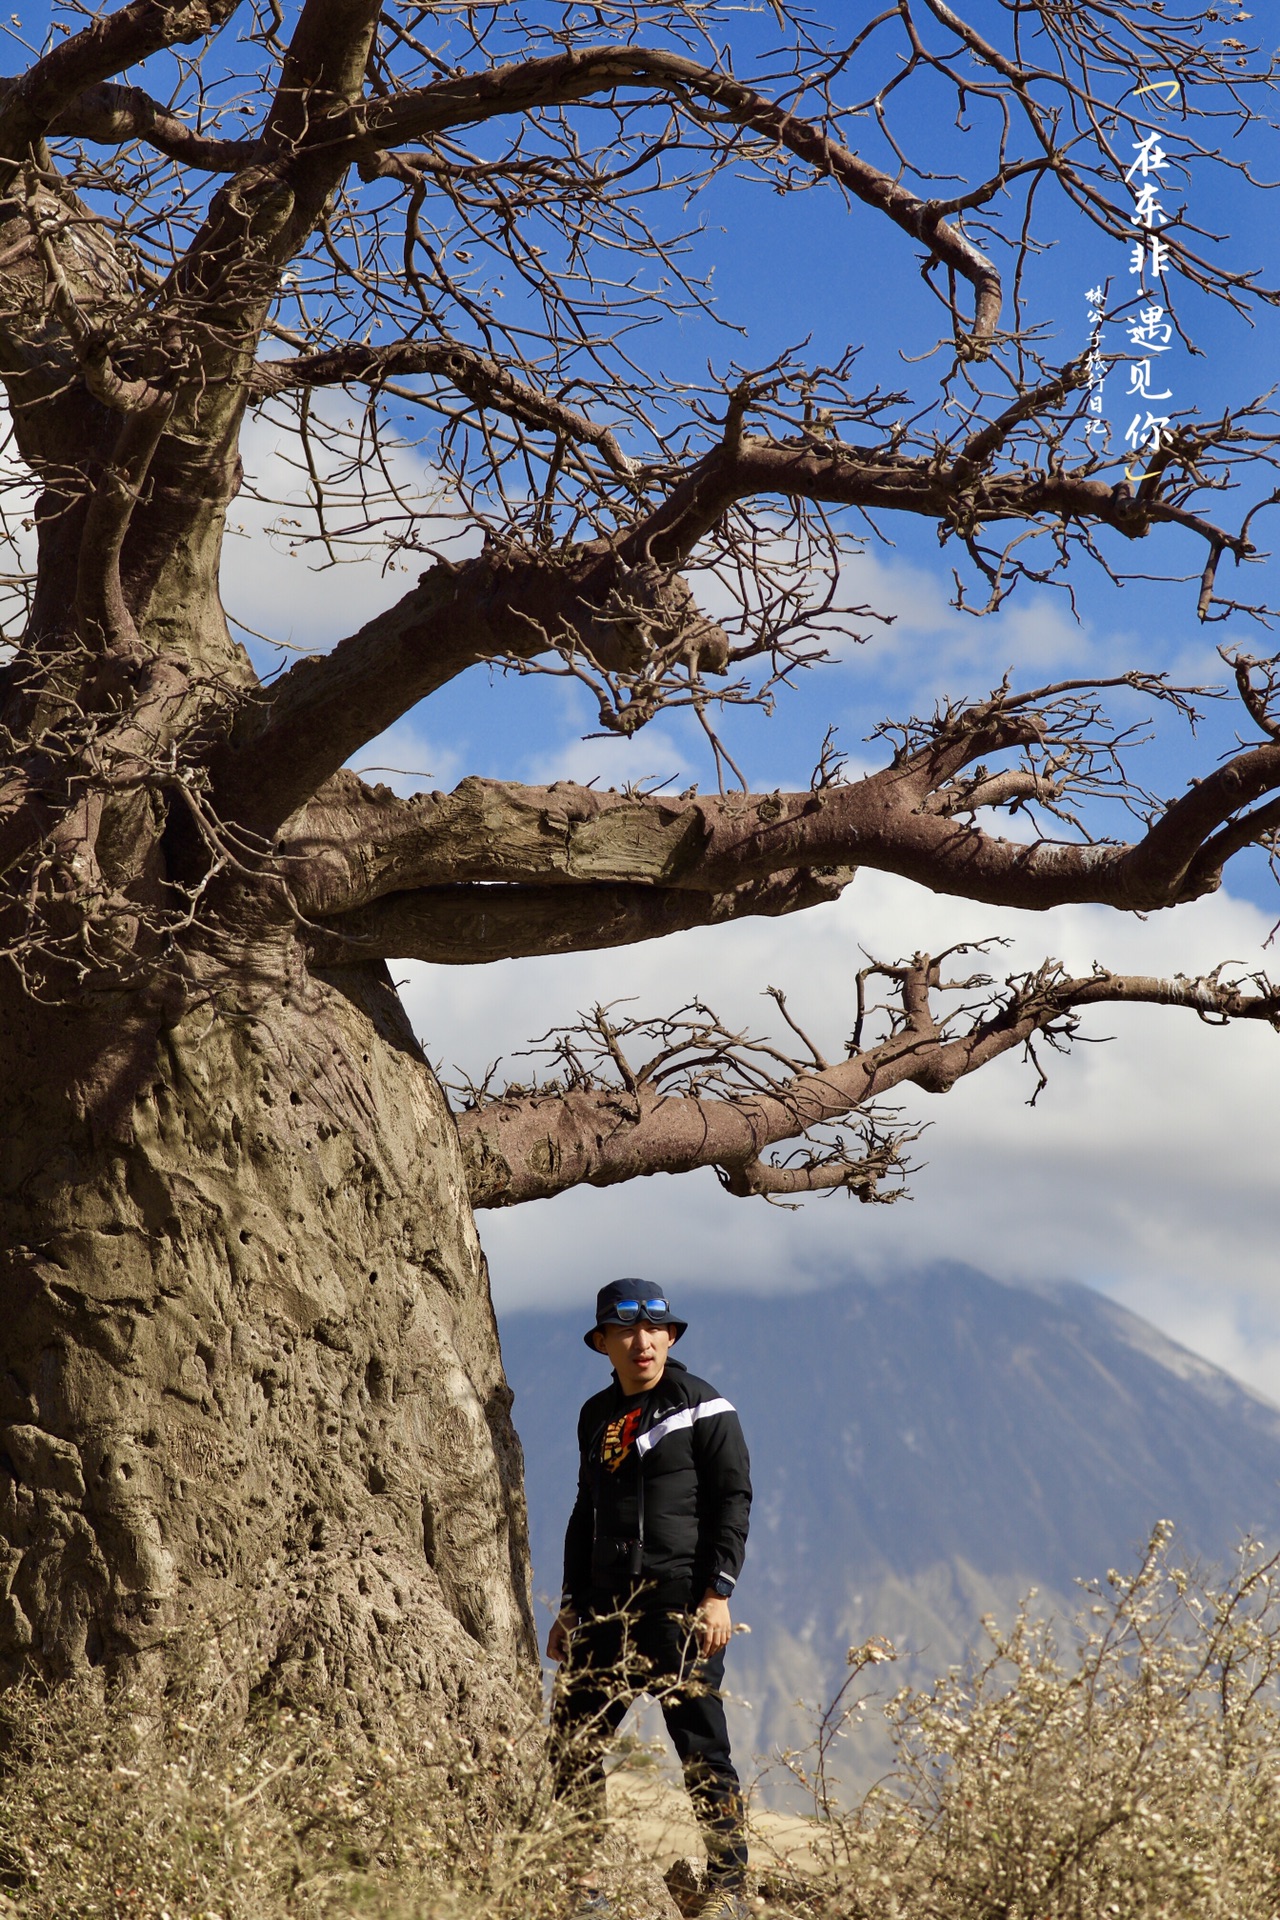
column 252, row 1400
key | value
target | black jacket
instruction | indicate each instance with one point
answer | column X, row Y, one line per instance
column 679, row 1445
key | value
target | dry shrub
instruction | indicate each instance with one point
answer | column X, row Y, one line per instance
column 109, row 1811
column 1139, row 1777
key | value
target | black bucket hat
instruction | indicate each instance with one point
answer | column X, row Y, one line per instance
column 644, row 1301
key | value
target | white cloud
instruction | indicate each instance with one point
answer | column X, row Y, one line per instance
column 938, row 649
column 293, row 593
column 294, row 596
column 1146, row 1168
column 408, row 758
column 613, row 762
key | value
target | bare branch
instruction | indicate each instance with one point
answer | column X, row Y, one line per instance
column 111, row 115
column 31, row 104
column 534, row 85
column 914, row 817
column 472, row 373
column 500, row 605
column 608, row 599
column 1260, row 697
column 472, row 925
column 884, row 480
column 529, row 1143
column 103, row 615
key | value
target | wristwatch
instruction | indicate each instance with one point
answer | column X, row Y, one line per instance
column 723, row 1585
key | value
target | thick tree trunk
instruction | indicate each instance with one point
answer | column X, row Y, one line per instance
column 252, row 1402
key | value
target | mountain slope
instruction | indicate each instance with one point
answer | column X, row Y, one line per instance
column 923, row 1452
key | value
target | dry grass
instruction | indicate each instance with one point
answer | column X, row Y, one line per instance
column 107, row 1814
column 1135, row 1776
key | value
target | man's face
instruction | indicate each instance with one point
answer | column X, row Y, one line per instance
column 638, row 1353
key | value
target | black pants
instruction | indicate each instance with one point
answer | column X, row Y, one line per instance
column 651, row 1649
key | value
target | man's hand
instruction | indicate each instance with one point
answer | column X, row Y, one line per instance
column 713, row 1626
column 558, row 1638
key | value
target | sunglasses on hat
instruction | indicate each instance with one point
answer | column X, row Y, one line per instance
column 625, row 1311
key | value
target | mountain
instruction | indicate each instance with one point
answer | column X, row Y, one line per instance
column 924, row 1451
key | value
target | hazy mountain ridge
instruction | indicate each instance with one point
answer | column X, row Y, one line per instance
column 925, row 1451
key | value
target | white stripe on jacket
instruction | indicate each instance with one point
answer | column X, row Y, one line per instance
column 683, row 1417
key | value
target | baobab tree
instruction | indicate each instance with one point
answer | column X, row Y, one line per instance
column 251, row 1390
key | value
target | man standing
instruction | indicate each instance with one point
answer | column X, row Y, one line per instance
column 653, row 1549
